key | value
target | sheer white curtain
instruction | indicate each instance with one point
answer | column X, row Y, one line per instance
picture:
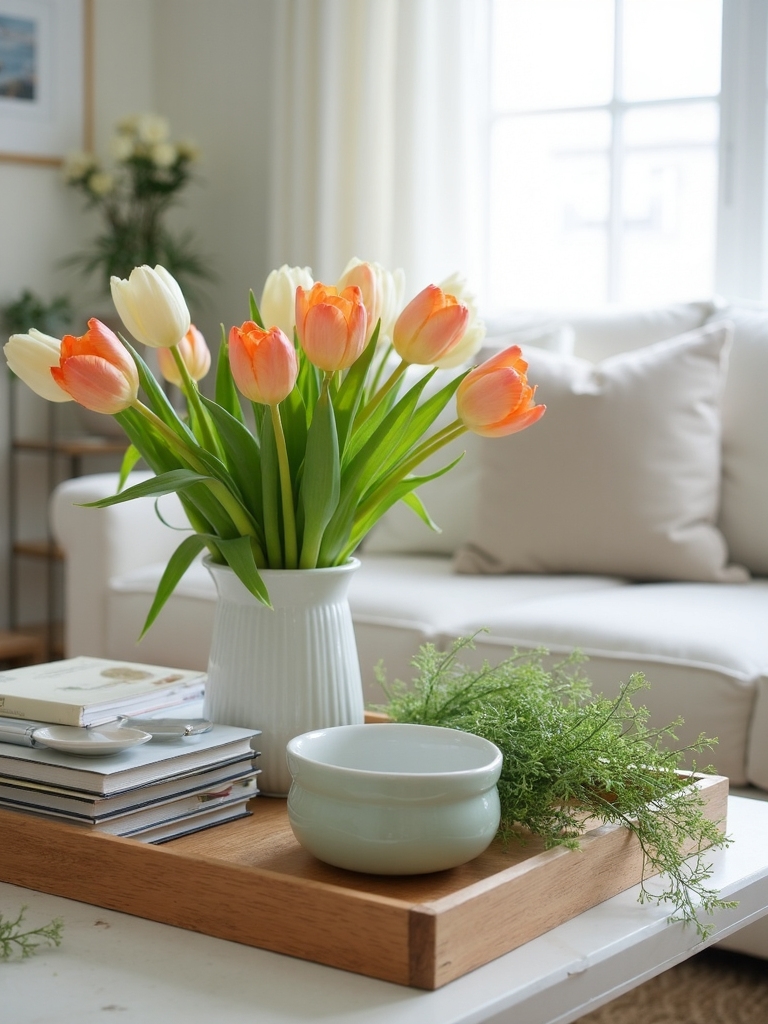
column 377, row 136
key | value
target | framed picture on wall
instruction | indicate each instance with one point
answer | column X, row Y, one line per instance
column 45, row 79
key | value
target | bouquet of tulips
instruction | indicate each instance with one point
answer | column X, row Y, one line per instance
column 332, row 438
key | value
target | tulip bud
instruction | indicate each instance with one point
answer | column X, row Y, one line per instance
column 195, row 353
column 97, row 371
column 264, row 363
column 430, row 327
column 278, row 300
column 331, row 326
column 390, row 289
column 30, row 357
column 473, row 336
column 495, row 398
column 151, row 306
column 363, row 276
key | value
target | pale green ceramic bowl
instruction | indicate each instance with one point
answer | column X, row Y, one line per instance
column 393, row 799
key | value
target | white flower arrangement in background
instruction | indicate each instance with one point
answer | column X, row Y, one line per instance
column 133, row 196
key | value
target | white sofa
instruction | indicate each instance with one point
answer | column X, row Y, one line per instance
column 631, row 523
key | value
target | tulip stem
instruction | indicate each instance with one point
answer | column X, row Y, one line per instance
column 381, row 394
column 189, row 387
column 289, row 519
column 380, row 368
column 435, row 443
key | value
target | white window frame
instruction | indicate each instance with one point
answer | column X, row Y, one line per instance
column 741, row 246
column 741, row 269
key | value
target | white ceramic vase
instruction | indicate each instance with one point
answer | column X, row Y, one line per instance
column 285, row 670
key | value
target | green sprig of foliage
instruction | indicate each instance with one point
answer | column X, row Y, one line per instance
column 571, row 756
column 16, row 941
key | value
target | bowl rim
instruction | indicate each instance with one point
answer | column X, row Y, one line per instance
column 493, row 765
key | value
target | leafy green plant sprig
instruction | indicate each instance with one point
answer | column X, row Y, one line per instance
column 16, row 941
column 571, row 756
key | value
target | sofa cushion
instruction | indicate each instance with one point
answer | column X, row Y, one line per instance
column 599, row 334
column 450, row 498
column 744, row 504
column 703, row 649
column 621, row 476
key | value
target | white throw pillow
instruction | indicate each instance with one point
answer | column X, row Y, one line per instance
column 620, row 477
column 450, row 499
column 744, row 503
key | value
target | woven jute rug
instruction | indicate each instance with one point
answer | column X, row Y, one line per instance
column 715, row 987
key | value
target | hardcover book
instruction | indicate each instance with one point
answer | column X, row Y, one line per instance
column 91, row 691
column 25, row 795
column 133, row 822
column 138, row 766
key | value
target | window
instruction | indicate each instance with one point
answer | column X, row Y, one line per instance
column 604, row 151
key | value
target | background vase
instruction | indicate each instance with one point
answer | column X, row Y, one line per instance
column 285, row 670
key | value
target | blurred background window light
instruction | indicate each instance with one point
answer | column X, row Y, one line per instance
column 603, row 151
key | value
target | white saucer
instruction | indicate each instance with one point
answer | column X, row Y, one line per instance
column 98, row 741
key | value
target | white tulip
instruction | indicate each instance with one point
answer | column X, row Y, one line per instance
column 30, row 357
column 152, row 306
column 473, row 337
column 278, row 300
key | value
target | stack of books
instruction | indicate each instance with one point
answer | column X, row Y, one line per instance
column 152, row 792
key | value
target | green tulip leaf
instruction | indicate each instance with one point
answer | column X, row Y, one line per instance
column 374, row 508
column 254, row 309
column 238, row 553
column 164, row 483
column 177, row 565
column 351, row 392
column 131, row 457
column 356, row 478
column 226, row 393
column 242, row 454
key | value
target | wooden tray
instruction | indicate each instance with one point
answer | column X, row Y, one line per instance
column 251, row 882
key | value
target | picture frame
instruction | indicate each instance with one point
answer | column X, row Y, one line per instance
column 46, row 80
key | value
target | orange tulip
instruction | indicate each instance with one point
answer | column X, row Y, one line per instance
column 97, row 371
column 263, row 363
column 431, row 325
column 332, row 325
column 195, row 353
column 495, row 398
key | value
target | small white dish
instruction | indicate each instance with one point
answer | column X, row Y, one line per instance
column 393, row 799
column 97, row 741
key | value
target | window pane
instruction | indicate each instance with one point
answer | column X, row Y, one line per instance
column 549, row 203
column 669, row 203
column 552, row 53
column 671, row 48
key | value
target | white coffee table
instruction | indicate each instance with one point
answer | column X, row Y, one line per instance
column 115, row 967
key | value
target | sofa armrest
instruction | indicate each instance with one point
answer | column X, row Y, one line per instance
column 99, row 544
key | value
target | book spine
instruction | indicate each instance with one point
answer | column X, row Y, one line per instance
column 50, row 712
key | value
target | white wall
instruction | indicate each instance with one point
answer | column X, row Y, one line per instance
column 204, row 64
column 213, row 83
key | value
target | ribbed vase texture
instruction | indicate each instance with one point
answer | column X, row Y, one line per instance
column 286, row 670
